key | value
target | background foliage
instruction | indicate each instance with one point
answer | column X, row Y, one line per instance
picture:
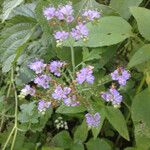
column 121, row 38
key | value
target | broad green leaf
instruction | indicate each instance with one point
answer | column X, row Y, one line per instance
column 98, row 144
column 24, row 10
column 8, row 63
column 8, row 6
column 140, row 110
column 108, row 31
column 88, row 4
column 142, row 16
column 90, row 55
column 122, row 6
column 14, row 40
column 117, row 120
column 28, row 113
column 140, row 56
column 78, row 137
column 62, row 139
column 63, row 109
column 77, row 147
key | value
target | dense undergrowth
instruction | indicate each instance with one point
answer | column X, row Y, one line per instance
column 75, row 75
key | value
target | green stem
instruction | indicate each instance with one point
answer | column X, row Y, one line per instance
column 8, row 139
column 72, row 59
column 14, row 130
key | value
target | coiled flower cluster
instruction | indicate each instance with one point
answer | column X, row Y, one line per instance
column 66, row 13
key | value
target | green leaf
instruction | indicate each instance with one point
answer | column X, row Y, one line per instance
column 24, row 10
column 78, row 137
column 8, row 63
column 140, row 56
column 8, row 6
column 90, row 55
column 63, row 109
column 122, row 6
column 140, row 110
column 14, row 40
column 62, row 139
column 77, row 147
column 108, row 31
column 117, row 120
column 98, row 144
column 28, row 113
column 88, row 4
column 142, row 16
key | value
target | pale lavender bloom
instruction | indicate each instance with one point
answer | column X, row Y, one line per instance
column 112, row 96
column 93, row 120
column 91, row 14
column 61, row 93
column 38, row 66
column 71, row 101
column 49, row 12
column 85, row 75
column 65, row 13
column 28, row 90
column 43, row 81
column 43, row 105
column 121, row 75
column 61, row 35
column 55, row 67
column 80, row 32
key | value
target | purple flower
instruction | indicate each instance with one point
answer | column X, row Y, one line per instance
column 112, row 96
column 38, row 66
column 61, row 93
column 49, row 12
column 43, row 105
column 80, row 32
column 60, row 36
column 28, row 90
column 55, row 67
column 91, row 14
column 121, row 75
column 85, row 75
column 71, row 101
column 93, row 120
column 43, row 81
column 65, row 13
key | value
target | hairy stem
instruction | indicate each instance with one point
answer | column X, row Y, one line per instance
column 14, row 129
column 72, row 59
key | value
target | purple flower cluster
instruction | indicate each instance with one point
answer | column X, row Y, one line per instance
column 55, row 67
column 121, row 75
column 61, row 36
column 85, row 75
column 93, row 120
column 49, row 12
column 38, row 66
column 43, row 105
column 61, row 93
column 71, row 101
column 65, row 13
column 61, row 13
column 42, row 81
column 65, row 95
column 113, row 96
column 91, row 15
column 80, row 32
column 27, row 90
